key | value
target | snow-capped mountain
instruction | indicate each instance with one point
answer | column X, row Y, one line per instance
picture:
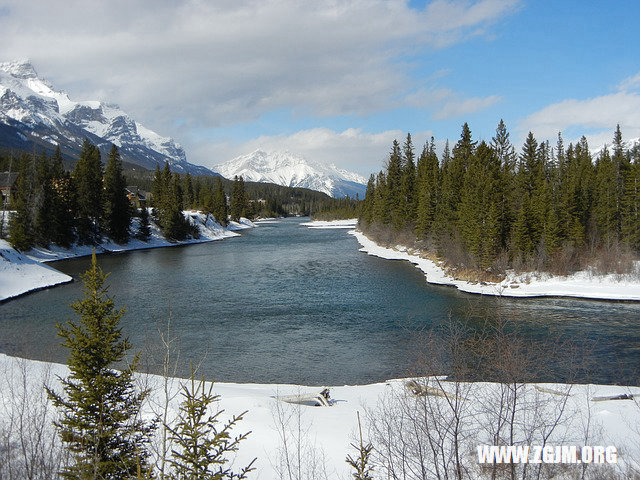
column 288, row 169
column 33, row 112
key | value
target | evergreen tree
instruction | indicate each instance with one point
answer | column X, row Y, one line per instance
column 43, row 201
column 117, row 210
column 409, row 200
column 396, row 204
column 630, row 215
column 144, row 227
column 361, row 465
column 239, row 203
column 87, row 177
column 505, row 153
column 63, row 203
column 21, row 228
column 220, row 209
column 188, row 192
column 381, row 213
column 100, row 421
column 202, row 443
column 367, row 212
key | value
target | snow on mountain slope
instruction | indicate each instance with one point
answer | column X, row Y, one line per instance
column 34, row 109
column 291, row 170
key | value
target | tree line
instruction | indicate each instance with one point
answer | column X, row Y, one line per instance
column 54, row 206
column 484, row 206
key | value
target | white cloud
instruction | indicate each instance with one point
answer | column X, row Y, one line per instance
column 596, row 117
column 352, row 149
column 630, row 83
column 216, row 63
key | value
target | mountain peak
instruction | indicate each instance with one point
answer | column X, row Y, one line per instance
column 293, row 170
column 19, row 69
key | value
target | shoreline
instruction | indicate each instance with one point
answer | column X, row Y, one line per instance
column 580, row 285
column 24, row 273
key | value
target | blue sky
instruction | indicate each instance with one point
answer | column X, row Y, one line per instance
column 337, row 81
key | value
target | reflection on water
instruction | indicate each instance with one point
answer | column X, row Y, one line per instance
column 284, row 303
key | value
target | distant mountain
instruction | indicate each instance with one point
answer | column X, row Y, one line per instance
column 32, row 112
column 285, row 168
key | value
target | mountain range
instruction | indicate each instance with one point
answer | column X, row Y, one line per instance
column 291, row 170
column 33, row 113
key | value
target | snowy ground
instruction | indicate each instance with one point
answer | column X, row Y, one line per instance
column 581, row 284
column 327, row 432
column 21, row 273
column 348, row 223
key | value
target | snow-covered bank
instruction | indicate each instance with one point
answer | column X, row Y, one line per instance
column 348, row 223
column 22, row 273
column 329, row 431
column 580, row 285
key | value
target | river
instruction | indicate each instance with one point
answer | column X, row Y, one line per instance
column 288, row 304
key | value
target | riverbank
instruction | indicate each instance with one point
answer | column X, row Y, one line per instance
column 328, row 432
column 21, row 273
column 582, row 284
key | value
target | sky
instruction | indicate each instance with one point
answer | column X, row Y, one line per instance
column 338, row 81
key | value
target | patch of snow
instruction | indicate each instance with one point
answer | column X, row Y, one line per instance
column 347, row 223
column 331, row 430
column 579, row 285
column 20, row 274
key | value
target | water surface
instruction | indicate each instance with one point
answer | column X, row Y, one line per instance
column 283, row 303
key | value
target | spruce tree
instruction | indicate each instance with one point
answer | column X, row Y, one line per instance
column 117, row 210
column 396, row 202
column 99, row 421
column 144, row 227
column 239, row 202
column 202, row 443
column 187, row 189
column 43, row 201
column 408, row 182
column 21, row 228
column 63, row 203
column 220, row 209
column 87, row 179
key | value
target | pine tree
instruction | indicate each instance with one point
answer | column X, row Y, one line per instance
column 367, row 212
column 202, row 443
column 409, row 200
column 63, row 203
column 144, row 227
column 505, row 153
column 117, row 210
column 21, row 228
column 99, row 420
column 87, row 177
column 220, row 209
column 362, row 469
column 396, row 203
column 630, row 215
column 188, row 201
column 239, row 203
column 43, row 201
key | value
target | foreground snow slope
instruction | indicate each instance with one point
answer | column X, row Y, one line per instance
column 579, row 285
column 21, row 273
column 329, row 431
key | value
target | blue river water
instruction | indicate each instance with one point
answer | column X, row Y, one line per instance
column 284, row 303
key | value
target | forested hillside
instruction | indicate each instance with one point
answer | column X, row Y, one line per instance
column 483, row 206
column 51, row 204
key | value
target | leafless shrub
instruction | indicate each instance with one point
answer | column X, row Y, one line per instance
column 29, row 444
column 298, row 456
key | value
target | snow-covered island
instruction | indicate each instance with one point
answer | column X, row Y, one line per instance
column 25, row 272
